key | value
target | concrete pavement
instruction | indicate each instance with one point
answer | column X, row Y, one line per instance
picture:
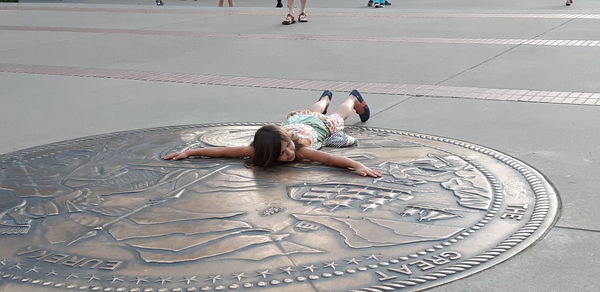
column 517, row 76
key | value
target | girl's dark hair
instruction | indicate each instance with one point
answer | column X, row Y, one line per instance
column 267, row 145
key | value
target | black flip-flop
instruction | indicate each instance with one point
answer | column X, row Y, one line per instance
column 362, row 107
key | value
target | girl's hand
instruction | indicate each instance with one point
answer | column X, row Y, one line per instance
column 365, row 171
column 176, row 156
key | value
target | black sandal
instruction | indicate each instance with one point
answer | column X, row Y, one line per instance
column 289, row 19
column 302, row 17
column 362, row 109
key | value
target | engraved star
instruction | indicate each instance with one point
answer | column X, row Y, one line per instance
column 287, row 270
column 164, row 280
column 239, row 276
column 189, row 280
column 52, row 273
column 352, row 261
column 17, row 266
column 116, row 279
column 372, row 256
column 264, row 273
column 73, row 275
column 93, row 277
column 33, row 269
column 330, row 265
column 311, row 268
column 215, row 278
column 138, row 280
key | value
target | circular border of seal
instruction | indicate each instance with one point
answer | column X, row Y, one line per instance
column 544, row 215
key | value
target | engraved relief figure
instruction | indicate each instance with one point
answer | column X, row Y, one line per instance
column 12, row 220
column 415, row 201
column 165, row 211
column 451, row 172
column 173, row 235
column 74, row 182
column 167, row 227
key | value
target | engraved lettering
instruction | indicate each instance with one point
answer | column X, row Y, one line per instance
column 515, row 212
column 439, row 260
column 41, row 255
column 423, row 265
column 55, row 258
column 451, row 255
column 97, row 263
column 69, row 259
column 404, row 269
column 27, row 250
column 73, row 261
column 110, row 265
column 384, row 277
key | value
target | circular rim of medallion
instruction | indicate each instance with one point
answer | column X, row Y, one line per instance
column 544, row 216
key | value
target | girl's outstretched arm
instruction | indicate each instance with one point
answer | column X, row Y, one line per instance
column 224, row 152
column 337, row 161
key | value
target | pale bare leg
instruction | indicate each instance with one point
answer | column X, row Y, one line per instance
column 302, row 6
column 291, row 6
column 319, row 106
column 347, row 107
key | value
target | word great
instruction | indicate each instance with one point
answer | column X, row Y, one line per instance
column 423, row 265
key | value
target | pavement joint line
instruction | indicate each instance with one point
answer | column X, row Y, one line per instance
column 416, row 90
column 576, row 228
column 306, row 37
column 199, row 10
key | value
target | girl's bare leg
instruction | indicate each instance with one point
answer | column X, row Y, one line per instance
column 320, row 106
column 347, row 107
column 230, row 3
column 291, row 7
column 302, row 5
column 221, row 3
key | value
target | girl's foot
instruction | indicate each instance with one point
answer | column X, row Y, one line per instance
column 360, row 106
column 289, row 19
column 569, row 2
column 279, row 5
column 159, row 3
column 329, row 96
column 302, row 17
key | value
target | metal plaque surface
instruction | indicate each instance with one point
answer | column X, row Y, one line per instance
column 106, row 213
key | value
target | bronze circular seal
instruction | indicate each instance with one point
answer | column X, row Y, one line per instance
column 106, row 213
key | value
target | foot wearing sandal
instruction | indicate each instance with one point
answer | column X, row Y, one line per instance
column 289, row 19
column 302, row 17
column 360, row 106
column 329, row 96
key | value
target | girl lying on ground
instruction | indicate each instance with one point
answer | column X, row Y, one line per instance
column 300, row 138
